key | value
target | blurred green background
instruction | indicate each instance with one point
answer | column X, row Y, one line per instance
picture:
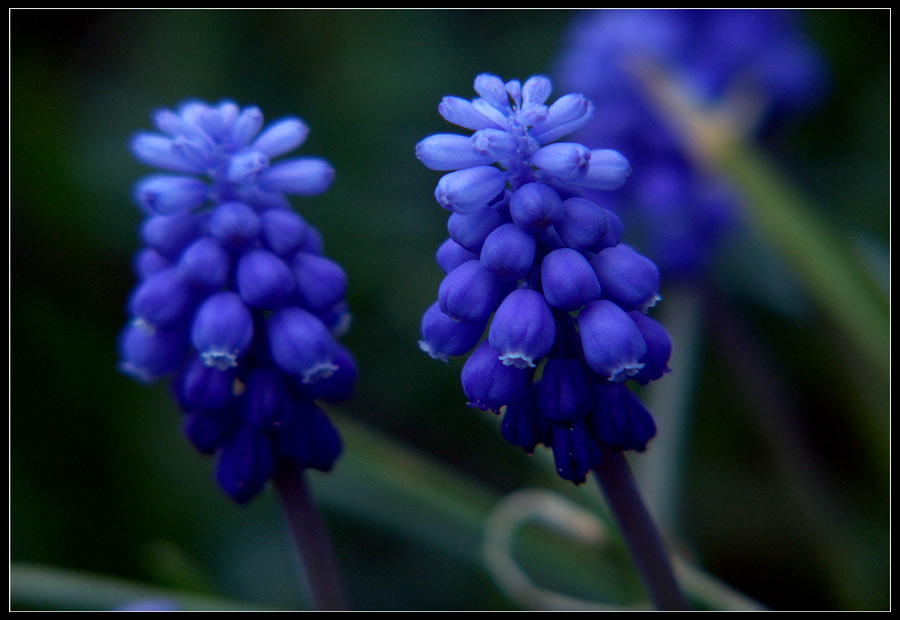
column 784, row 490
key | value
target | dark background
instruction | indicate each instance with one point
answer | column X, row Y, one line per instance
column 101, row 479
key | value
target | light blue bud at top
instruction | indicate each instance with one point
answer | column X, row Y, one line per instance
column 222, row 330
column 147, row 354
column 608, row 170
column 246, row 127
column 536, row 90
column 470, row 189
column 264, row 280
column 170, row 234
column 246, row 168
column 627, row 277
column 168, row 195
column 320, row 282
column 618, row 420
column 470, row 230
column 301, row 344
column 443, row 337
column 283, row 231
column 445, row 151
column 451, row 255
column 245, row 464
column 234, row 225
column 205, row 264
column 567, row 160
column 493, row 91
column 523, row 329
column 574, row 451
column 508, row 252
column 462, row 113
column 200, row 387
column 164, row 300
column 309, row 440
column 160, row 152
column 563, row 393
column 611, row 341
column 567, row 279
column 535, row 206
column 489, row 383
column 524, row 426
column 566, row 115
column 305, row 176
column 470, row 293
column 281, row 137
column 583, row 225
column 659, row 348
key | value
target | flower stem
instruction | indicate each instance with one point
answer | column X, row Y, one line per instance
column 312, row 540
column 641, row 535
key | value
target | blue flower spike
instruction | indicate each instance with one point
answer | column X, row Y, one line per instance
column 235, row 298
column 541, row 268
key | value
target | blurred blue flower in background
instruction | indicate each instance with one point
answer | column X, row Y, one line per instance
column 568, row 299
column 235, row 296
column 757, row 64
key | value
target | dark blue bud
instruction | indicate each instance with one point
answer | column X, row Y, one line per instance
column 535, row 206
column 339, row 385
column 321, row 282
column 612, row 343
column 309, row 440
column 524, row 426
column 283, row 231
column 629, row 279
column 205, row 264
column 508, row 252
column 470, row 293
column 301, row 344
column 451, row 255
column 523, row 329
column 567, row 280
column 147, row 354
column 245, row 464
column 584, row 225
column 470, row 230
column 164, row 300
column 234, row 225
column 202, row 387
column 489, row 383
column 209, row 430
column 265, row 399
column 222, row 330
column 148, row 262
column 170, row 234
column 470, row 189
column 567, row 160
column 447, row 151
column 306, row 176
column 168, row 195
column 563, row 393
column 659, row 348
column 443, row 337
column 281, row 137
column 575, row 451
column 618, row 420
column 264, row 280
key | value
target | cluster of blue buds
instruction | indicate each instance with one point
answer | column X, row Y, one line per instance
column 545, row 268
column 235, row 297
column 757, row 63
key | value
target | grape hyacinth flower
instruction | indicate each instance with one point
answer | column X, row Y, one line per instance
column 754, row 64
column 235, row 298
column 542, row 270
column 544, row 273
